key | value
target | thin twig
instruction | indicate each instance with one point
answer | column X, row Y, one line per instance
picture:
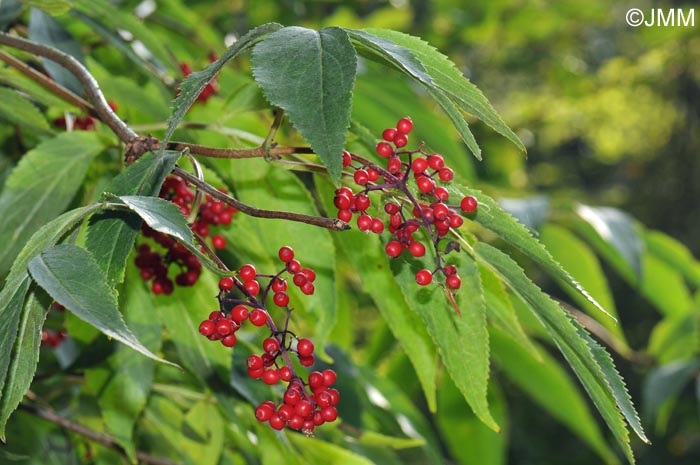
column 255, row 152
column 90, row 85
column 47, row 83
column 329, row 223
column 50, row 415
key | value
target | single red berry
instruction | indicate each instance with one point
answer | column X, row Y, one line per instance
column 270, row 377
column 342, row 202
column 308, row 288
column 318, row 418
column 296, row 422
column 247, row 272
column 377, row 226
column 264, row 412
column 392, row 208
column 469, row 204
column 424, row 277
column 364, row 222
column 309, row 273
column 446, row 174
column 384, row 149
column 372, row 174
column 419, row 165
column 453, row 281
column 291, row 396
column 404, row 125
column 450, row 269
column 362, row 202
column 394, row 165
column 256, row 373
column 285, row 373
column 305, row 347
column 215, row 315
column 271, row 345
column 425, row 184
column 441, row 194
column 294, row 266
column 281, row 299
column 299, row 279
column 258, row 317
column 329, row 414
column 345, row 215
column 224, row 327
column 239, row 313
column 254, row 362
column 253, row 287
column 361, row 177
column 329, row 377
column 389, row 134
column 229, row 341
column 218, row 242
column 306, row 360
column 417, row 249
column 335, row 396
column 400, row 140
column 207, row 327
column 347, row 159
column 436, row 162
column 226, row 283
column 393, row 249
column 276, row 422
column 440, row 211
column 456, row 221
column 286, row 254
column 303, row 408
column 315, row 379
column 286, row 412
column 279, row 285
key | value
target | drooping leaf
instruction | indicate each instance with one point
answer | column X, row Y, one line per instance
column 52, row 7
column 10, row 313
column 663, row 384
column 161, row 215
column 41, row 187
column 445, row 76
column 20, row 111
column 616, row 228
column 673, row 253
column 493, row 217
column 318, row 452
column 664, row 286
column 550, row 387
column 23, row 364
column 72, row 277
column 462, row 340
column 458, row 121
column 46, row 30
column 530, row 211
column 589, row 362
column 310, row 74
column 193, row 84
column 111, row 235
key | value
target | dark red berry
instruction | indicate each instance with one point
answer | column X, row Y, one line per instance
column 377, row 226
column 362, row 202
column 294, row 266
column 329, row 414
column 424, row 277
column 253, row 287
column 425, row 184
column 276, row 422
column 389, row 134
column 394, row 165
column 285, row 373
column 258, row 317
column 207, row 327
column 224, row 327
column 279, row 285
column 453, row 281
column 392, row 208
column 469, row 204
column 254, row 362
column 419, row 165
column 271, row 345
column 229, row 341
column 247, row 272
column 306, row 360
column 226, row 283
column 218, row 242
column 446, row 174
column 264, row 412
column 441, row 194
column 384, row 149
column 270, row 377
column 281, row 299
column 308, row 288
column 305, row 347
column 393, row 249
column 364, row 222
column 361, row 177
column 347, row 159
column 345, row 215
column 329, row 377
column 436, row 161
column 239, row 313
column 417, row 249
column 400, row 140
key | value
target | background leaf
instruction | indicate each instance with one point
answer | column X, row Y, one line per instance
column 310, row 74
column 18, row 110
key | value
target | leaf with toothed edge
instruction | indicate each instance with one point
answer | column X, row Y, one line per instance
column 594, row 369
column 491, row 216
column 310, row 75
column 192, row 85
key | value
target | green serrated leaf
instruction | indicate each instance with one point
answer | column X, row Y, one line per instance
column 52, row 7
column 596, row 373
column 462, row 340
column 446, row 77
column 193, row 84
column 72, row 277
column 10, row 313
column 111, row 235
column 18, row 110
column 46, row 30
column 493, row 217
column 458, row 121
column 325, row 453
column 24, row 361
column 310, row 74
column 161, row 215
column 550, row 386
column 41, row 187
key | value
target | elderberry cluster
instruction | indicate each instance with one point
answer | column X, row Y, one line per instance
column 155, row 265
column 243, row 298
column 414, row 181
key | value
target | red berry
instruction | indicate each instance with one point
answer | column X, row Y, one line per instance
column 305, row 347
column 271, row 345
column 294, row 266
column 404, row 125
column 436, row 162
column 239, row 313
column 441, row 194
column 364, row 222
column 258, row 317
column 303, row 408
column 393, row 249
column 425, row 184
column 281, row 299
column 253, row 287
column 456, row 221
column 450, row 269
column 400, row 140
column 315, row 379
column 256, row 373
column 264, row 412
column 384, row 149
column 347, row 159
column 299, row 279
column 215, row 315
column 469, row 204
column 342, row 202
column 392, row 208
column 372, row 174
column 417, row 249
column 296, row 422
column 361, row 177
column 270, row 377
column 329, row 414
column 224, row 327
column 453, row 281
column 394, row 165
column 207, row 328
column 247, row 272
column 345, row 215
column 276, row 422
column 446, row 174
column 440, row 211
column 362, row 202
column 286, row 254
column 306, row 360
column 389, row 134
column 254, row 362
column 229, row 341
column 285, row 373
column 308, row 288
column 329, row 377
column 377, row 226
column 424, row 277
column 419, row 165
column 226, row 283
column 279, row 285
column 309, row 273
column 219, row 242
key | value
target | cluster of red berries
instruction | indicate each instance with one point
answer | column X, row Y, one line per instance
column 155, row 265
column 50, row 337
column 301, row 409
column 429, row 208
column 212, row 88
